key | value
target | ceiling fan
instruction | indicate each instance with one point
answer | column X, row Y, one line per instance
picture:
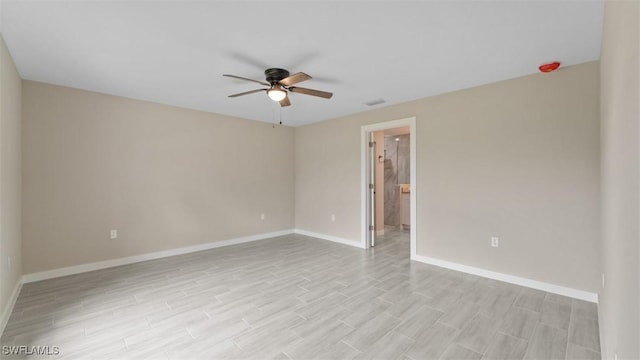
column 279, row 82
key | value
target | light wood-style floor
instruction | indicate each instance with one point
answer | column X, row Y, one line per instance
column 295, row 297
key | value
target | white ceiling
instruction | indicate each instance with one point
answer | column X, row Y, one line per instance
column 175, row 52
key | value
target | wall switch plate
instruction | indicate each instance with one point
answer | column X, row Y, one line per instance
column 262, row 216
column 603, row 280
column 333, row 217
column 495, row 242
column 9, row 262
column 113, row 234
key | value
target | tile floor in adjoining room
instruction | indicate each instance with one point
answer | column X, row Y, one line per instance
column 295, row 297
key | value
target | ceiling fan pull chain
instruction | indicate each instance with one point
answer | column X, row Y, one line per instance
column 273, row 123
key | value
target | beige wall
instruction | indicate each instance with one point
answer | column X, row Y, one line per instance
column 620, row 299
column 10, row 176
column 164, row 177
column 518, row 159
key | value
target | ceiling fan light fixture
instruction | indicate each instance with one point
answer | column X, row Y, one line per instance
column 280, row 84
column 276, row 93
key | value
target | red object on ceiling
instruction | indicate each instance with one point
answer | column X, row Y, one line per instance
column 545, row 68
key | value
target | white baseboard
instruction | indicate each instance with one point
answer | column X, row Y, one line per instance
column 77, row 269
column 534, row 284
column 329, row 237
column 6, row 312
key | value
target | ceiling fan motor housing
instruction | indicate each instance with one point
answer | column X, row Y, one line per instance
column 274, row 75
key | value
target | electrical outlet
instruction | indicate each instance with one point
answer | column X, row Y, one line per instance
column 495, row 242
column 113, row 234
column 333, row 217
column 262, row 216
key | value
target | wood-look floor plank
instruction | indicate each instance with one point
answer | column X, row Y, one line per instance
column 506, row 347
column 294, row 297
column 520, row 323
column 584, row 332
column 548, row 343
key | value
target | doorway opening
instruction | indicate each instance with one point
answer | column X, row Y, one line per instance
column 388, row 164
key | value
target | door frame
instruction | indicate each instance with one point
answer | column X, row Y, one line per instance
column 365, row 167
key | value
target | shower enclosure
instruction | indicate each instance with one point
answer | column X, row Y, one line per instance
column 396, row 181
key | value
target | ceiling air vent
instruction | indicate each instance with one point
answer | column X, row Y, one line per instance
column 374, row 102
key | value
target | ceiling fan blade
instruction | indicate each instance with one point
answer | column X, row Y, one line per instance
column 322, row 94
column 247, row 92
column 285, row 102
column 294, row 79
column 243, row 78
